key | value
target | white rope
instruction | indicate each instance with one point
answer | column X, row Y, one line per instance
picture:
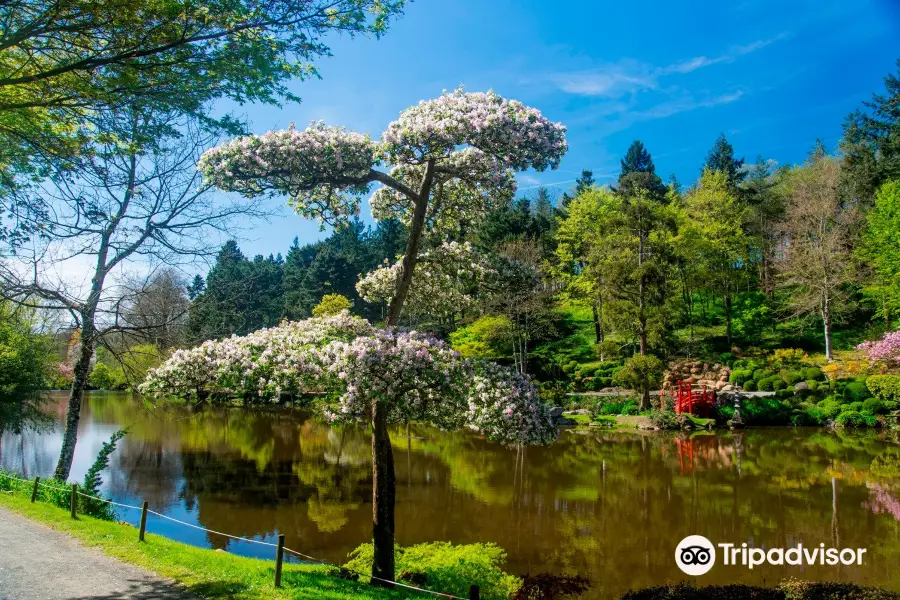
column 228, row 535
column 109, row 501
column 411, row 587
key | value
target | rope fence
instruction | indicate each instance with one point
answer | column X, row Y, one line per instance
column 474, row 592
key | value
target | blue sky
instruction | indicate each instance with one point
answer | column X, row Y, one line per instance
column 773, row 75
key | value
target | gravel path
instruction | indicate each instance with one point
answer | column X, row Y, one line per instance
column 38, row 563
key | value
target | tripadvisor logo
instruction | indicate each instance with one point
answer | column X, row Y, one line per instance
column 696, row 555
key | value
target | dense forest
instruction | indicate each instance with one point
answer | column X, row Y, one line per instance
column 752, row 254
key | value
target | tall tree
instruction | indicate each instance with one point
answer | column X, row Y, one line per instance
column 453, row 160
column 130, row 201
column 639, row 173
column 715, row 232
column 880, row 250
column 816, row 264
column 766, row 206
column 871, row 142
column 721, row 158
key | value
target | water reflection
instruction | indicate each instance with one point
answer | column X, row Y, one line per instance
column 605, row 504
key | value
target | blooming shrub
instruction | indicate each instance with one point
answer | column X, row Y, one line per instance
column 885, row 350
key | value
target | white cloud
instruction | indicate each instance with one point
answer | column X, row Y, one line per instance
column 684, row 104
column 699, row 62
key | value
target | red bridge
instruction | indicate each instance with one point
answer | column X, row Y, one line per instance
column 696, row 402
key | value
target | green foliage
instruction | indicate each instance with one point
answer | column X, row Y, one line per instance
column 331, row 304
column 856, row 392
column 449, row 569
column 814, row 373
column 739, row 376
column 92, row 480
column 664, row 419
column 25, row 365
column 102, row 377
column 640, row 373
column 767, row 384
column 766, row 411
column 880, row 248
column 486, row 337
column 753, row 316
column 872, row 406
column 852, row 418
column 624, row 407
column 760, row 374
column 792, row 377
column 750, row 385
column 830, row 407
column 884, row 387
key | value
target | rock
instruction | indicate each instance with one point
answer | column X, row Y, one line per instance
column 556, row 411
column 564, row 421
column 801, row 385
column 729, row 388
column 580, row 411
column 684, row 422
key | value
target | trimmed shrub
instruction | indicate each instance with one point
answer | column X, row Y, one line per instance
column 739, row 376
column 891, row 405
column 872, row 406
column 813, row 384
column 884, row 387
column 856, row 392
column 760, row 374
column 852, row 418
column 778, row 383
column 813, row 373
column 768, row 384
column 749, row 386
column 830, row 407
column 856, row 406
column 792, row 377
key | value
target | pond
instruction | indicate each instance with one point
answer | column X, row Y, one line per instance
column 606, row 504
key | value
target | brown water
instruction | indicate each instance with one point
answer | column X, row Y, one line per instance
column 611, row 506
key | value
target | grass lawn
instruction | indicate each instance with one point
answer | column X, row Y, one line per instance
column 206, row 573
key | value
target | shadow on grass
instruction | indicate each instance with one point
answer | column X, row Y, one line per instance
column 138, row 589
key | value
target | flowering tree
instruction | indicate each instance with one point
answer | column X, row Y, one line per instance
column 383, row 376
column 452, row 158
column 886, row 350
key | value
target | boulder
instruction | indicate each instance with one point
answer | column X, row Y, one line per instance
column 801, row 385
column 556, row 411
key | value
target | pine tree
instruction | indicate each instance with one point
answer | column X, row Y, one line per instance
column 721, row 158
column 639, row 174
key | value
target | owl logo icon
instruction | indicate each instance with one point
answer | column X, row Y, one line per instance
column 695, row 555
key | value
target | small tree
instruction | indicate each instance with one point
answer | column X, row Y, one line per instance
column 641, row 374
column 816, row 264
column 453, row 158
column 880, row 248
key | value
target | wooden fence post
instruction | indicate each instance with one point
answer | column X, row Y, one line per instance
column 143, row 521
column 74, row 500
column 474, row 592
column 279, row 556
column 34, row 489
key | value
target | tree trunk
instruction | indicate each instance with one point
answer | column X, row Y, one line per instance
column 645, row 401
column 598, row 326
column 383, row 497
column 728, row 317
column 826, row 318
column 73, row 412
column 410, row 256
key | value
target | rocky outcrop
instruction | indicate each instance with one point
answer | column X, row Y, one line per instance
column 701, row 374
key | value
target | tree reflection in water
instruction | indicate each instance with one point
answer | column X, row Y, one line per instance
column 609, row 505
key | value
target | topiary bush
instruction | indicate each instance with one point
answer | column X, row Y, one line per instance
column 792, row 377
column 856, row 391
column 830, row 407
column 884, row 387
column 760, row 374
column 813, row 384
column 749, row 385
column 739, row 376
column 852, row 418
column 768, row 384
column 813, row 373
column 872, row 406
